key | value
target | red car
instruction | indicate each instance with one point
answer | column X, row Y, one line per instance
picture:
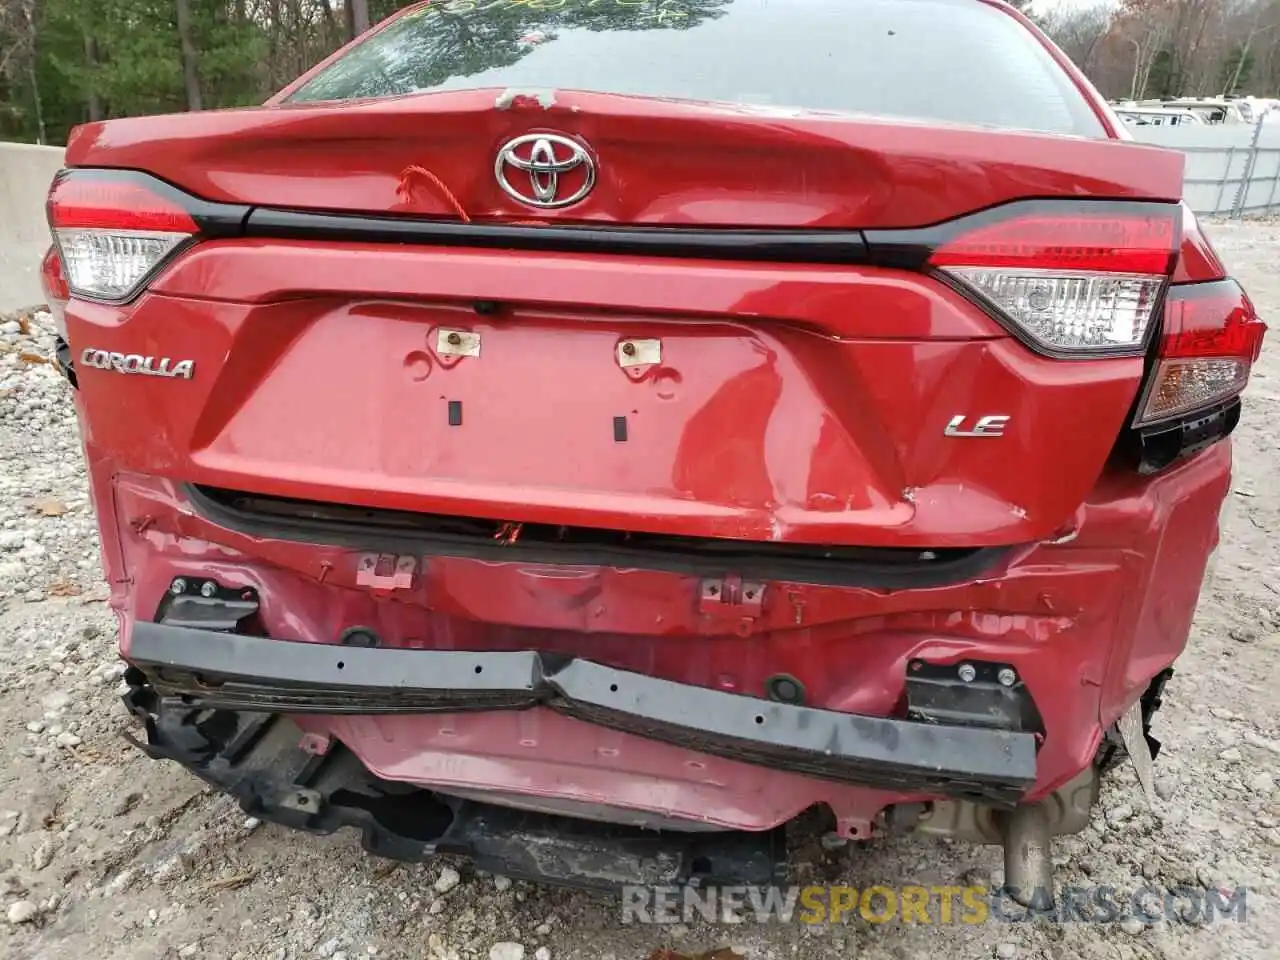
column 618, row 429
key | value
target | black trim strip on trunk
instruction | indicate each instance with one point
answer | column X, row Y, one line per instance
column 905, row 248
column 891, row 568
column 216, row 221
column 783, row 245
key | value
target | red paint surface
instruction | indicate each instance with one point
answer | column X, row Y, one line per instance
column 1199, row 262
column 792, row 404
column 1085, row 623
column 658, row 162
column 822, row 422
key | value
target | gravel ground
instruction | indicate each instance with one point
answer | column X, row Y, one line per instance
column 104, row 853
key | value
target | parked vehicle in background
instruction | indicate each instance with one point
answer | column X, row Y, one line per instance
column 1257, row 109
column 586, row 440
column 1211, row 110
column 1214, row 110
column 1160, row 117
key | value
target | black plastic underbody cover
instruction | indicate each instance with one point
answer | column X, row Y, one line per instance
column 256, row 758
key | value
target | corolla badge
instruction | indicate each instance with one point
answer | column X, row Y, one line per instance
column 545, row 170
column 137, row 363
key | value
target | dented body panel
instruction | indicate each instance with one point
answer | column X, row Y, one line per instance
column 482, row 467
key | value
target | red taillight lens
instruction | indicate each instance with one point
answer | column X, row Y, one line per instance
column 56, row 291
column 98, row 203
column 113, row 233
column 1075, row 283
column 53, row 279
column 1211, row 320
column 1103, row 243
column 1210, row 340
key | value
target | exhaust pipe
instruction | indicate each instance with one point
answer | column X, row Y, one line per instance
column 1028, row 854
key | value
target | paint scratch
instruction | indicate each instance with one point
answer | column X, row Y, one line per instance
column 545, row 97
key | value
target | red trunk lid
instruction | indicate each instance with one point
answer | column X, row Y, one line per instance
column 800, row 403
column 657, row 162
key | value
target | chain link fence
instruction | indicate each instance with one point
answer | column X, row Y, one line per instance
column 1232, row 171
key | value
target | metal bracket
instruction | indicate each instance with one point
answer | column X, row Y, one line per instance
column 1129, row 726
column 386, row 572
column 315, row 744
column 457, row 343
column 731, row 597
column 638, row 357
column 639, row 353
column 974, row 693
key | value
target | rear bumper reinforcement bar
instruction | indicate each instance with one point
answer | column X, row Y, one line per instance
column 234, row 672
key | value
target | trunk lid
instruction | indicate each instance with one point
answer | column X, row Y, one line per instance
column 656, row 162
column 869, row 403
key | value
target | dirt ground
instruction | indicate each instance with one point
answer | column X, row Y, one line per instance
column 106, row 854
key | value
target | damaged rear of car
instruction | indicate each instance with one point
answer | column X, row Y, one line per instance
column 505, row 445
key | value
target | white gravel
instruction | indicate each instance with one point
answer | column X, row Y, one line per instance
column 106, row 854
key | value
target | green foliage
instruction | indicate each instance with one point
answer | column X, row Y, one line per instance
column 136, row 67
column 1163, row 79
column 1237, row 69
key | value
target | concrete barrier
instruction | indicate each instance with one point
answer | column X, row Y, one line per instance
column 25, row 174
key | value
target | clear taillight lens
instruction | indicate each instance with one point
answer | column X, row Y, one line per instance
column 113, row 234
column 1083, row 282
column 1211, row 338
column 110, row 265
column 1079, row 311
column 1181, row 386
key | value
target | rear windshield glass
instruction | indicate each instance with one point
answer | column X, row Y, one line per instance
column 959, row 61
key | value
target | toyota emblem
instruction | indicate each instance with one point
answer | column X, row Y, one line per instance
column 545, row 170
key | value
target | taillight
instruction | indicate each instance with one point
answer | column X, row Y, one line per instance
column 114, row 231
column 56, row 292
column 1210, row 339
column 1075, row 283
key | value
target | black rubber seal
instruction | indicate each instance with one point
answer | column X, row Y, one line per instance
column 869, row 568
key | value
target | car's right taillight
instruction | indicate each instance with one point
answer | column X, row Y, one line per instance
column 114, row 231
column 1073, row 281
column 1210, row 338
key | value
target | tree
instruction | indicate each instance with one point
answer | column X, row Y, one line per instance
column 1161, row 78
column 19, row 59
column 1237, row 69
column 359, row 16
column 190, row 74
column 1079, row 32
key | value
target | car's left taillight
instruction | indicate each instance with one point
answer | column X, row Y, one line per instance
column 56, row 291
column 114, row 232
